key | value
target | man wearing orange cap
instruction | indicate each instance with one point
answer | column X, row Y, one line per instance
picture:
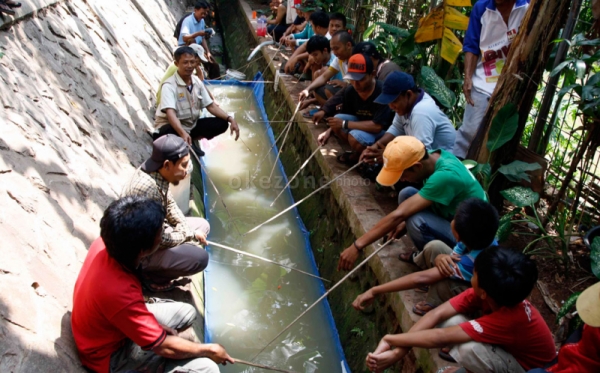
column 425, row 214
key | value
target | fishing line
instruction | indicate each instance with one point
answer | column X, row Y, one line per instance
column 296, row 174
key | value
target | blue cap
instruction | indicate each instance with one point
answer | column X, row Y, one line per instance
column 396, row 83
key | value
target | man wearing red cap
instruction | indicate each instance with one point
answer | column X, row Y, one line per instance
column 424, row 214
column 179, row 253
column 361, row 121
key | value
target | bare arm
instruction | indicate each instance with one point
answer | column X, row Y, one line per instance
column 320, row 81
column 206, row 50
column 219, row 113
column 280, row 14
column 178, row 348
column 191, row 38
column 470, row 65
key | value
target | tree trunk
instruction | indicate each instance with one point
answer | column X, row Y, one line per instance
column 520, row 78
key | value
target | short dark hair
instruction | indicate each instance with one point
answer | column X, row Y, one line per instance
column 129, row 227
column 476, row 222
column 319, row 18
column 506, row 275
column 183, row 50
column 344, row 36
column 338, row 16
column 317, row 43
column 201, row 5
column 367, row 48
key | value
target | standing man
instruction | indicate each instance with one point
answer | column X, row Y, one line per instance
column 114, row 329
column 182, row 99
column 417, row 115
column 362, row 121
column 179, row 251
column 493, row 26
column 193, row 31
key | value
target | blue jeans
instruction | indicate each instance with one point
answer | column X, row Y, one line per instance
column 425, row 225
column 364, row 138
column 471, row 122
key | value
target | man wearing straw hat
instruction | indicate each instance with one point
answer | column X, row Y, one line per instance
column 581, row 352
column 424, row 214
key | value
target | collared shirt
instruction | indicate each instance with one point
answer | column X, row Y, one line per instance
column 152, row 185
column 427, row 123
column 191, row 26
column 489, row 37
column 188, row 105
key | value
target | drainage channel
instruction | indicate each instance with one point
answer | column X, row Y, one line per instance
column 248, row 302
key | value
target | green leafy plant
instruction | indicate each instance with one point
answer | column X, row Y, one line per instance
column 357, row 331
column 595, row 257
column 575, row 321
column 436, row 87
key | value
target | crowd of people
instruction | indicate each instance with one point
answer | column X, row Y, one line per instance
column 476, row 309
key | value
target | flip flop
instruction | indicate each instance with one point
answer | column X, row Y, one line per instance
column 310, row 113
column 445, row 355
column 420, row 312
column 156, row 288
column 408, row 257
column 345, row 158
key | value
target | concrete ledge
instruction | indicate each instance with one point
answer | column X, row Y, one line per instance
column 362, row 205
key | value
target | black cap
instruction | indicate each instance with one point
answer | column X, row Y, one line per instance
column 167, row 147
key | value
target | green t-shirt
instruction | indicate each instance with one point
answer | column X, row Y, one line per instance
column 169, row 73
column 449, row 185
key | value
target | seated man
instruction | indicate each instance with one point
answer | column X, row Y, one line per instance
column 277, row 25
column 425, row 214
column 114, row 330
column 297, row 25
column 446, row 272
column 581, row 352
column 510, row 337
column 361, row 121
column 182, row 100
column 194, row 31
column 295, row 40
column 341, row 45
column 319, row 22
column 179, row 253
column 416, row 115
column 319, row 51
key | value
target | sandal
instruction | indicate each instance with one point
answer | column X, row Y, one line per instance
column 347, row 159
column 444, row 354
column 160, row 288
column 420, row 311
column 459, row 370
column 408, row 257
column 310, row 113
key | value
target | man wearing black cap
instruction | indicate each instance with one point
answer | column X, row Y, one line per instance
column 182, row 99
column 417, row 115
column 179, row 253
column 362, row 121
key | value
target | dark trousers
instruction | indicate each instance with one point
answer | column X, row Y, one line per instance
column 212, row 68
column 277, row 31
column 205, row 128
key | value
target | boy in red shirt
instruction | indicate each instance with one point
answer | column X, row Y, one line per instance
column 510, row 337
column 114, row 330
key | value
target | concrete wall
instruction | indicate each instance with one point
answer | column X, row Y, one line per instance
column 77, row 86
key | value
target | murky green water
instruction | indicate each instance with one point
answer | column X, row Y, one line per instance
column 249, row 302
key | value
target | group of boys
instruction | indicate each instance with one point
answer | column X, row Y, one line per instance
column 146, row 242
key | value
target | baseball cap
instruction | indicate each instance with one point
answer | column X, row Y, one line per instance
column 199, row 51
column 396, row 83
column 401, row 153
column 164, row 148
column 359, row 65
column 588, row 305
column 307, row 6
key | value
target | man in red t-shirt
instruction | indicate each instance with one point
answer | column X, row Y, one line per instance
column 115, row 331
column 581, row 352
column 510, row 337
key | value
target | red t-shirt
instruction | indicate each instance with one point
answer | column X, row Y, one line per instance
column 580, row 356
column 108, row 308
column 520, row 330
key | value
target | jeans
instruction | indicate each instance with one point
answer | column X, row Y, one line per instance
column 364, row 138
column 176, row 315
column 471, row 122
column 425, row 225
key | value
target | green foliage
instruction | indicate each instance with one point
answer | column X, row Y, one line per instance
column 516, row 170
column 521, row 196
column 505, row 226
column 595, row 257
column 503, row 128
column 357, row 331
column 567, row 306
column 435, row 86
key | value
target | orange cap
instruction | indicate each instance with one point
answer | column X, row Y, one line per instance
column 401, row 153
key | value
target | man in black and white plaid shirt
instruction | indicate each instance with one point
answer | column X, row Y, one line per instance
column 179, row 253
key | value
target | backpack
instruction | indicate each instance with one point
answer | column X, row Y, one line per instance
column 178, row 26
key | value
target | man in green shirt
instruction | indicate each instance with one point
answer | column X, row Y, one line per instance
column 424, row 214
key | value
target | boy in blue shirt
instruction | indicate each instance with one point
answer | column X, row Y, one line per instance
column 447, row 272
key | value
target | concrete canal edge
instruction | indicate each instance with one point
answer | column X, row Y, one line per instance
column 336, row 216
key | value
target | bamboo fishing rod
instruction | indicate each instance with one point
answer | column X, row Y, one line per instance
column 326, row 294
column 264, row 259
column 216, row 190
column 284, row 138
column 303, row 199
column 244, row 362
column 296, row 174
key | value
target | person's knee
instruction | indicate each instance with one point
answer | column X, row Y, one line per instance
column 200, row 260
column 406, row 193
column 187, row 314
